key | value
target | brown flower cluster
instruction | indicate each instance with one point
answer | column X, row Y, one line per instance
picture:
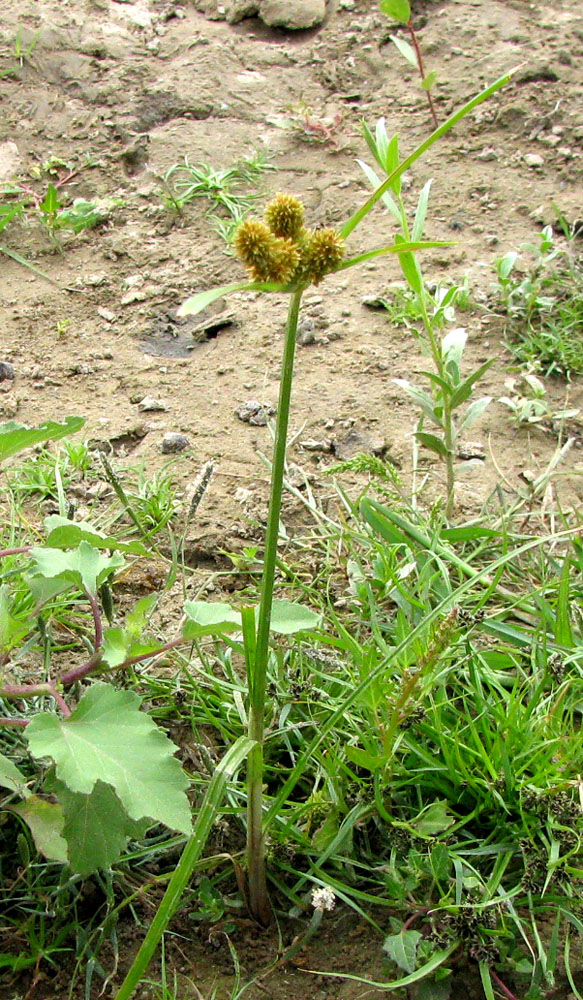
column 281, row 248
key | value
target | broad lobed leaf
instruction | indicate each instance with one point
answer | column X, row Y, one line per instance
column 107, row 738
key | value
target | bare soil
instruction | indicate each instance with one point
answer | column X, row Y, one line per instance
column 122, row 91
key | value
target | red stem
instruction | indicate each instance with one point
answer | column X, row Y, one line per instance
column 422, row 70
column 96, row 620
column 14, row 552
column 504, row 988
column 14, row 722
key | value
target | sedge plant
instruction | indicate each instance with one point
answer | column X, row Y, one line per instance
column 282, row 255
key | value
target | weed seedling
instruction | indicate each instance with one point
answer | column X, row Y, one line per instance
column 400, row 11
column 544, row 306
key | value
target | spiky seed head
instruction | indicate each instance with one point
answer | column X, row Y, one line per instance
column 285, row 216
column 324, row 252
column 267, row 257
column 284, row 261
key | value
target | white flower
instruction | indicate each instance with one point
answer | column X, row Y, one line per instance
column 323, row 898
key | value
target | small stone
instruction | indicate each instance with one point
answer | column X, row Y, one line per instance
column 173, row 442
column 373, row 302
column 534, row 160
column 106, row 314
column 311, row 445
column 292, row 14
column 489, row 153
column 10, row 160
column 566, row 152
column 9, row 406
column 150, row 405
column 6, row 370
column 254, row 412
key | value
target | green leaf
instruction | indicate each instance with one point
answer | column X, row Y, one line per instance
column 440, row 861
column 12, row 630
column 429, row 80
column 107, row 738
column 85, row 567
column 357, row 217
column 11, row 777
column 8, row 213
column 402, row 949
column 421, row 212
column 362, row 758
column 434, row 989
column 137, row 619
column 26, row 263
column 210, row 618
column 45, row 822
column 422, row 399
column 406, row 50
column 432, row 442
column 464, row 389
column 434, row 819
column 16, row 437
column 203, row 299
column 287, row 618
column 474, row 412
column 50, row 203
column 379, row 520
column 563, row 632
column 409, row 267
column 387, row 198
column 96, row 827
column 397, row 10
column 65, row 534
column 394, row 248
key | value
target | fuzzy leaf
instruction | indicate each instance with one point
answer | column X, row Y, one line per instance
column 464, row 389
column 409, row 267
column 107, row 738
column 96, row 827
column 429, row 80
column 474, row 412
column 287, row 618
column 402, row 949
column 406, row 50
column 84, row 567
column 16, row 437
column 421, row 212
column 423, row 400
column 45, row 822
column 397, row 10
column 432, row 442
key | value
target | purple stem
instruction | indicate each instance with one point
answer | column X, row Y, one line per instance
column 96, row 620
column 422, row 70
column 504, row 988
column 14, row 552
column 14, row 722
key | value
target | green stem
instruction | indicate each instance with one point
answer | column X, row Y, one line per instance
column 258, row 898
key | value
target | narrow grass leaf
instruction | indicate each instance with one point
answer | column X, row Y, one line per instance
column 196, row 303
column 563, row 632
column 183, row 871
column 425, row 970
